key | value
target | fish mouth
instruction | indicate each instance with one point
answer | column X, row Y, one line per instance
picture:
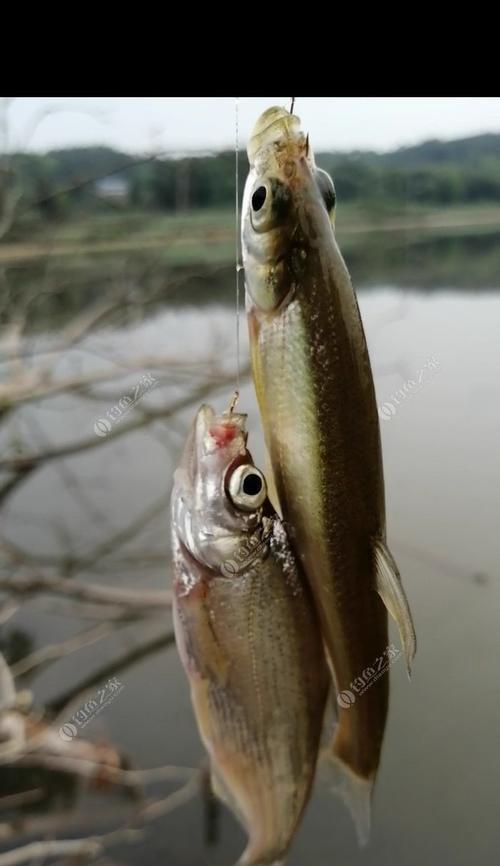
column 194, row 444
column 274, row 127
column 218, row 430
column 204, row 419
column 212, row 435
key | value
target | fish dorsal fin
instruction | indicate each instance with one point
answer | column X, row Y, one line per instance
column 391, row 591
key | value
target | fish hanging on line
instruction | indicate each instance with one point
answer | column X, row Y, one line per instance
column 316, row 395
column 247, row 634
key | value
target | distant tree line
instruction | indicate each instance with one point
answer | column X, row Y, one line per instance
column 59, row 183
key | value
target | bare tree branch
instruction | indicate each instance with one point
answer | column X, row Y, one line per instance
column 60, row 704
column 92, row 846
column 136, row 599
column 148, row 417
column 52, row 652
column 89, row 847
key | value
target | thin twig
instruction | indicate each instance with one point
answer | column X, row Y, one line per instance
column 13, row 801
column 52, row 652
column 58, row 705
column 135, row 598
column 19, row 464
column 92, row 846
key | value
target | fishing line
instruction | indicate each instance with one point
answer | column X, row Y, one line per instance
column 238, row 265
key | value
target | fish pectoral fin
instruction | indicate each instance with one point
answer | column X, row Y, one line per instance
column 390, row 590
column 272, row 491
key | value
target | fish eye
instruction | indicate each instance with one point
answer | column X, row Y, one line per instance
column 252, row 484
column 269, row 204
column 259, row 198
column 246, row 488
column 327, row 189
column 329, row 199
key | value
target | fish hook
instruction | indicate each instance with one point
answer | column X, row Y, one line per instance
column 234, row 400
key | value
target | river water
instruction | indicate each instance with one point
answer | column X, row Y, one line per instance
column 436, row 798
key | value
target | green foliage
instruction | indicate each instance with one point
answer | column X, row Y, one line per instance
column 63, row 182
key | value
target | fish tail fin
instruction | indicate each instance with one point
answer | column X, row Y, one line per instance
column 260, row 863
column 257, row 856
column 244, row 862
column 355, row 791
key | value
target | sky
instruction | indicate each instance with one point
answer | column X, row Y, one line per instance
column 179, row 124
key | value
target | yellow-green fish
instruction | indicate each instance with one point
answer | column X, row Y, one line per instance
column 247, row 634
column 317, row 401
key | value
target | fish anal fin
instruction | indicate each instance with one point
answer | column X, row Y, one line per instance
column 390, row 590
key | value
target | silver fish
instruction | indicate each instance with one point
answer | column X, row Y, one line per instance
column 316, row 395
column 247, row 635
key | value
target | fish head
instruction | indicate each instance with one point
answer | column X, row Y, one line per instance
column 219, row 496
column 288, row 204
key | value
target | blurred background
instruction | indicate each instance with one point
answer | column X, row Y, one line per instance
column 117, row 319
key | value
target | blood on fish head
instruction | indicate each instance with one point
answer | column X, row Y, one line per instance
column 218, row 492
column 223, row 434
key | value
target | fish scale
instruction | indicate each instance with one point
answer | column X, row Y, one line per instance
column 250, row 643
column 315, row 391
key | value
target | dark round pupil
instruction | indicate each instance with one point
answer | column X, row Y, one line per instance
column 259, row 197
column 252, row 485
column 329, row 199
